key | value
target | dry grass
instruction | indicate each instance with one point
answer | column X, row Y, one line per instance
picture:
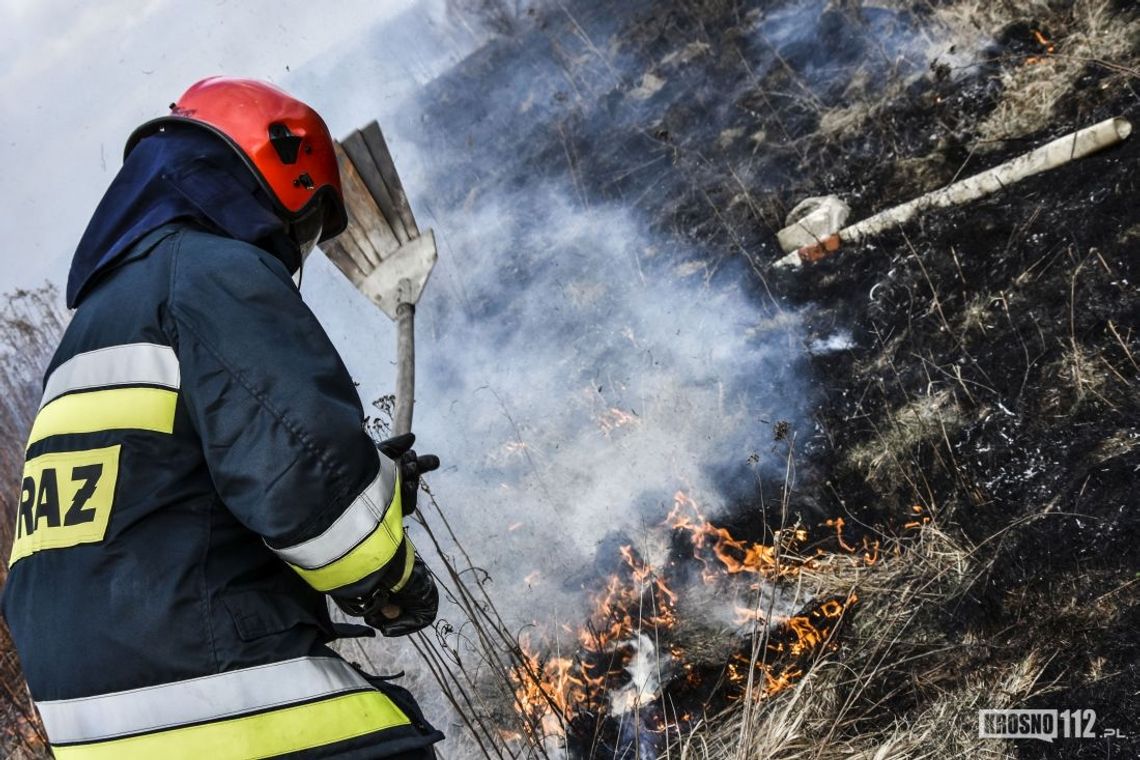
column 839, row 710
column 919, row 421
column 1075, row 35
column 1078, row 35
column 30, row 326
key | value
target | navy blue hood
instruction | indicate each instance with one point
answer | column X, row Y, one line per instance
column 179, row 174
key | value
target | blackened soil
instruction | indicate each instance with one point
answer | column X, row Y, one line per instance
column 1023, row 308
column 1018, row 313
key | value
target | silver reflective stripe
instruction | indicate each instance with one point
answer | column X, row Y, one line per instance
column 197, row 699
column 355, row 524
column 128, row 364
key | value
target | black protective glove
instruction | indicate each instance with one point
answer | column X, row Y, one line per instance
column 410, row 609
column 398, row 613
column 411, row 466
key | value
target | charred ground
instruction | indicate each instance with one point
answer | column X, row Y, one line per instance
column 992, row 372
column 1020, row 311
column 1013, row 322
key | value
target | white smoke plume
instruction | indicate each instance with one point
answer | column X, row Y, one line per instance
column 572, row 374
column 571, row 384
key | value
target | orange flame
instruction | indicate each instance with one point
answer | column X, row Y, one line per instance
column 731, row 555
column 838, row 524
column 1046, row 45
column 615, row 418
column 921, row 519
column 800, row 638
column 552, row 691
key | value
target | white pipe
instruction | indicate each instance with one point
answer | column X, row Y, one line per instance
column 1061, row 151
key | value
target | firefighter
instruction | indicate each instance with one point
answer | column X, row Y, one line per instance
column 198, row 477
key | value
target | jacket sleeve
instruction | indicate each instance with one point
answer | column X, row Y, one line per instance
column 280, row 421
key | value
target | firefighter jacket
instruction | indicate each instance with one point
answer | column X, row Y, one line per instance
column 196, row 481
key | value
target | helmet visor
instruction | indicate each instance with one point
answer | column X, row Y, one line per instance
column 306, row 230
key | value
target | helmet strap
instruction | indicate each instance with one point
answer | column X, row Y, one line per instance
column 299, row 275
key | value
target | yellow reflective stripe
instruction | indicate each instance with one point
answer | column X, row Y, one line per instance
column 354, row 524
column 409, row 563
column 113, row 409
column 289, row 729
column 370, row 555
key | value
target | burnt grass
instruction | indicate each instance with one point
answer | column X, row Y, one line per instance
column 1041, row 467
column 1039, row 472
column 1018, row 312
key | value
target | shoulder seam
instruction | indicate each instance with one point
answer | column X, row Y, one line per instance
column 297, row 433
column 178, row 237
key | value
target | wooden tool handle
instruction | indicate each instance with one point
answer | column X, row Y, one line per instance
column 405, row 368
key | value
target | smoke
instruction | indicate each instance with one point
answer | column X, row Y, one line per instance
column 585, row 380
column 575, row 367
column 572, row 381
column 822, row 43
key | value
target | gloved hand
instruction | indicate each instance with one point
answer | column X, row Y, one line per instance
column 399, row 613
column 410, row 609
column 410, row 465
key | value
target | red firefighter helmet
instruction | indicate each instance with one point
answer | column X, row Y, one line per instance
column 284, row 142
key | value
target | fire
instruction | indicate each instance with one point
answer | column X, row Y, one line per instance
column 870, row 551
column 869, row 548
column 838, row 524
column 791, row 646
column 629, row 605
column 731, row 555
column 545, row 691
column 625, row 658
column 1046, row 45
column 920, row 518
column 815, row 628
column 615, row 418
column 554, row 692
